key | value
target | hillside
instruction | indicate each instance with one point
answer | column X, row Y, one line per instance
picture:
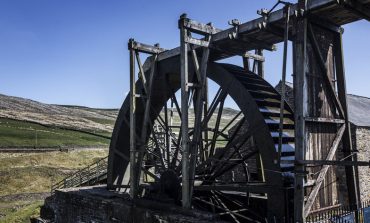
column 73, row 117
column 27, row 123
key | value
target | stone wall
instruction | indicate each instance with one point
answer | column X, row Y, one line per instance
column 363, row 147
column 98, row 205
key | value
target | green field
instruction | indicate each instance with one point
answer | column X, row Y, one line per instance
column 24, row 134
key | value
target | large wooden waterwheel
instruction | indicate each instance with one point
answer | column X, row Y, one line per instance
column 237, row 174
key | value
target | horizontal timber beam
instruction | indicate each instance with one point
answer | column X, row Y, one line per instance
column 250, row 187
column 325, row 120
column 144, row 48
column 327, row 162
column 254, row 57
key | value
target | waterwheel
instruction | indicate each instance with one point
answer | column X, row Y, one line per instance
column 238, row 174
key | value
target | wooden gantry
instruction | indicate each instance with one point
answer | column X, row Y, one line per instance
column 320, row 121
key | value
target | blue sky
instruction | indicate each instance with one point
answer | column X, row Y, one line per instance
column 75, row 51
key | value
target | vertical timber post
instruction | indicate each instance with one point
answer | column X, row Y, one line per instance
column 283, row 77
column 260, row 64
column 133, row 188
column 300, row 101
column 184, row 113
column 351, row 171
column 246, row 64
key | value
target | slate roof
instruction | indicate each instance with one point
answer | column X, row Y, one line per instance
column 359, row 110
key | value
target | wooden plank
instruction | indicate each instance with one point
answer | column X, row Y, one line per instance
column 283, row 78
column 249, row 187
column 144, row 130
column 323, row 171
column 197, row 27
column 197, row 42
column 186, row 200
column 196, row 64
column 328, row 162
column 254, row 57
column 141, row 72
column 198, row 108
column 132, row 160
column 325, row 120
column 357, row 7
column 300, row 104
column 145, row 48
column 255, row 42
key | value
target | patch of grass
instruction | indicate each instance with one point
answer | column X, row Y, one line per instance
column 29, row 179
column 36, row 172
column 24, row 134
column 102, row 121
column 72, row 160
column 20, row 213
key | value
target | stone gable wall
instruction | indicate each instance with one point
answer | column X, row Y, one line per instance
column 363, row 147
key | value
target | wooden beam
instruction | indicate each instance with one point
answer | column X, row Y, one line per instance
column 256, row 42
column 197, row 27
column 323, row 171
column 325, row 120
column 133, row 154
column 141, row 72
column 186, row 200
column 145, row 48
column 197, row 42
column 352, row 178
column 328, row 162
column 249, row 187
column 256, row 57
column 300, row 104
column 356, row 7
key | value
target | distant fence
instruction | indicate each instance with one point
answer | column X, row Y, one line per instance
column 32, row 149
column 343, row 214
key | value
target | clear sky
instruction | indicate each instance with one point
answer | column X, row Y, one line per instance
column 75, row 51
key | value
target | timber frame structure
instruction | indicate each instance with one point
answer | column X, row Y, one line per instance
column 319, row 122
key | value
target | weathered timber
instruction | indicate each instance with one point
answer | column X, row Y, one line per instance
column 328, row 11
column 323, row 171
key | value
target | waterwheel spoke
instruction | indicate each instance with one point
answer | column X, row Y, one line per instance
column 239, row 204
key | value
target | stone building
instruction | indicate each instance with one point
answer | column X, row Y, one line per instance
column 359, row 117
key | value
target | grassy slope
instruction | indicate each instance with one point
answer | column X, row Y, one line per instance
column 20, row 212
column 24, row 134
column 35, row 172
